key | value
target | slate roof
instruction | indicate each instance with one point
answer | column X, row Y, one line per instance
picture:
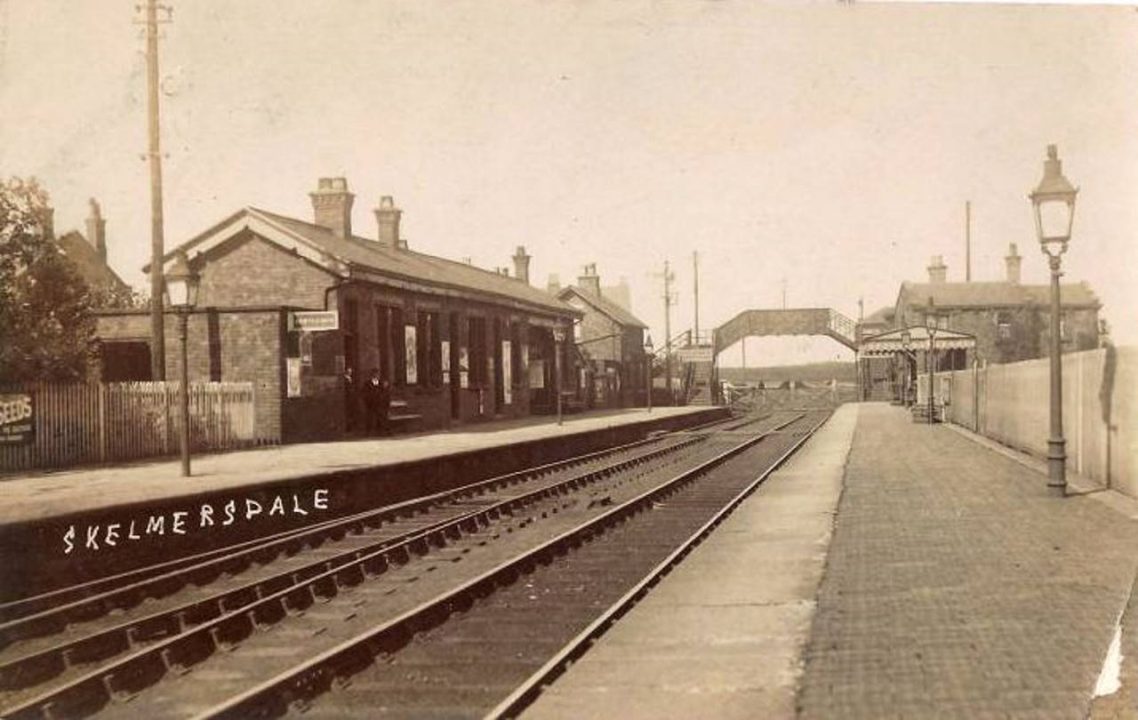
column 606, row 306
column 92, row 268
column 367, row 257
column 996, row 294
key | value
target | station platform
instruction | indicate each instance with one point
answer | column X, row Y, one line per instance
column 889, row 570
column 85, row 523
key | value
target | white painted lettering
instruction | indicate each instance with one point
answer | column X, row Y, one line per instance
column 296, row 508
column 112, row 536
column 92, row 537
column 278, row 506
column 68, row 540
column 230, row 510
column 320, row 499
column 156, row 525
column 206, row 516
column 178, row 527
column 249, row 511
column 130, row 534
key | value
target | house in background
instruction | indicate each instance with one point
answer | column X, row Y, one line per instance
column 89, row 254
column 294, row 306
column 1009, row 320
column 610, row 339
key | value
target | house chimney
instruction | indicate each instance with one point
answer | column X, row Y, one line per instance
column 553, row 285
column 938, row 271
column 97, row 230
column 332, row 205
column 48, row 223
column 521, row 264
column 1012, row 261
column 387, row 216
column 589, row 281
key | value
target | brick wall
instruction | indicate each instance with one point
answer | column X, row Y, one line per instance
column 254, row 272
column 235, row 347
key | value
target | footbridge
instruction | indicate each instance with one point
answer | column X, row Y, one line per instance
column 796, row 321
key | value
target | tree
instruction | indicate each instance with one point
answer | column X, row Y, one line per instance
column 46, row 327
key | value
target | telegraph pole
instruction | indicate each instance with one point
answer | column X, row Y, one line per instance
column 154, row 155
column 669, row 301
column 967, row 241
column 695, row 274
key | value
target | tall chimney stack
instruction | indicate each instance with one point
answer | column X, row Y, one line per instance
column 387, row 216
column 48, row 223
column 1012, row 261
column 589, row 281
column 553, row 284
column 521, row 264
column 938, row 271
column 332, row 205
column 97, row 230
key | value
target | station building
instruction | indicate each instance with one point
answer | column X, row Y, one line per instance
column 610, row 341
column 1010, row 320
column 299, row 306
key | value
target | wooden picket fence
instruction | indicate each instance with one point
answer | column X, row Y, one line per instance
column 82, row 424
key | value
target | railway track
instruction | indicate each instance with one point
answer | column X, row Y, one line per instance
column 109, row 640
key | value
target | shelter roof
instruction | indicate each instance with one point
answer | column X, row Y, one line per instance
column 888, row 343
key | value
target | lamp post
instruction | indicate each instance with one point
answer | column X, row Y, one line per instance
column 906, row 344
column 930, row 360
column 648, row 368
column 559, row 335
column 181, row 290
column 1053, row 201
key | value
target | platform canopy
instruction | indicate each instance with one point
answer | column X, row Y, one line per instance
column 887, row 344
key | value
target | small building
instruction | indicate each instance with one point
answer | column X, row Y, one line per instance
column 610, row 340
column 305, row 309
column 1009, row 320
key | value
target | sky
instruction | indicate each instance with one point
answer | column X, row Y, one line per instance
column 825, row 147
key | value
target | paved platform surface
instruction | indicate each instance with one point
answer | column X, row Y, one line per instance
column 722, row 634
column 956, row 587
column 42, row 495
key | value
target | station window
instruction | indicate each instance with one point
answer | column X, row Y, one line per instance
column 1004, row 325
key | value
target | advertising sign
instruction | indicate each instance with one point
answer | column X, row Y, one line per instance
column 507, row 372
column 463, row 367
column 293, row 367
column 410, row 354
column 445, row 353
column 17, row 419
column 695, row 354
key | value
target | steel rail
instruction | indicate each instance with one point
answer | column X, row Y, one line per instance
column 15, row 610
column 315, row 675
column 51, row 619
column 280, row 602
column 532, row 687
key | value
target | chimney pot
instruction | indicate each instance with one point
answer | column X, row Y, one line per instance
column 332, row 205
column 97, row 230
column 388, row 217
column 938, row 271
column 521, row 264
column 589, row 281
column 1012, row 262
